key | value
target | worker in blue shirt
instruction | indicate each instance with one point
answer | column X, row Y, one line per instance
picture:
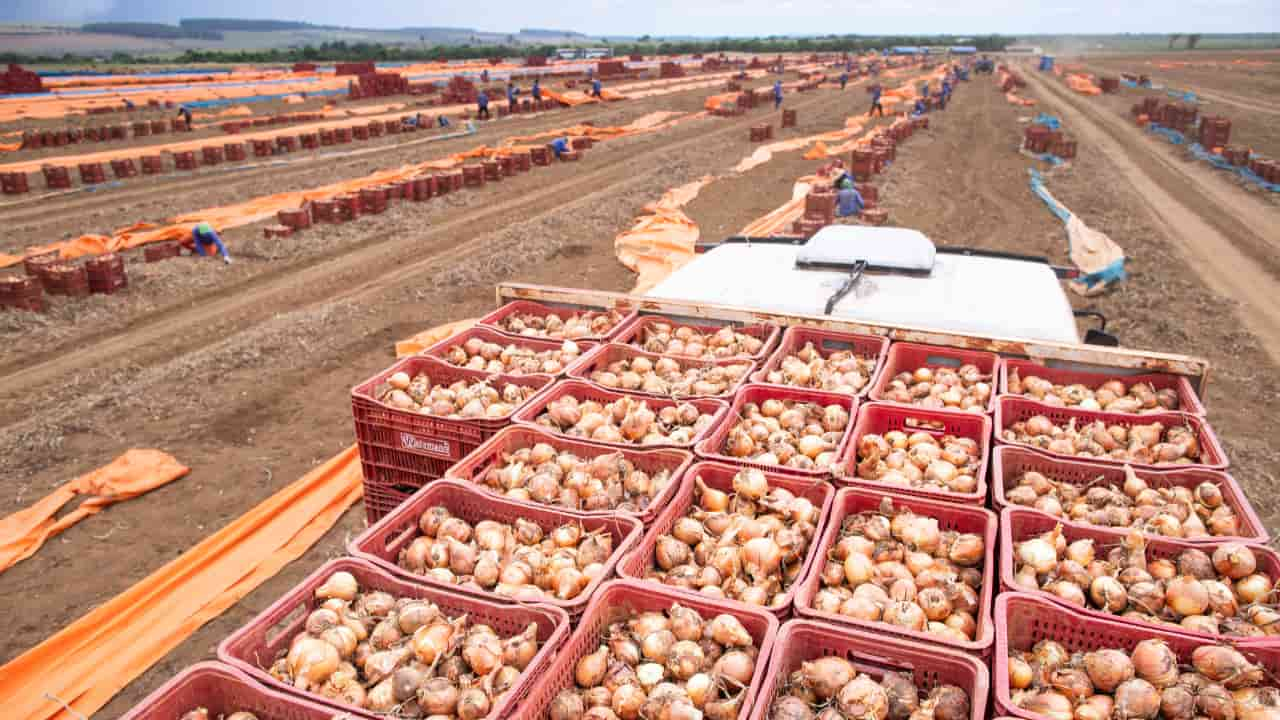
column 777, row 94
column 558, row 146
column 875, row 101
column 512, row 93
column 848, row 200
column 595, row 89
column 924, row 89
column 844, row 79
column 442, row 121
column 204, row 238
column 919, row 109
column 185, row 114
column 128, row 104
column 482, row 102
column 945, row 95
column 536, row 90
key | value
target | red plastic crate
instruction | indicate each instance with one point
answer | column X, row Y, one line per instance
column 406, row 450
column 631, row 334
column 1023, row 620
column 720, row 476
column 1011, row 409
column 827, row 342
column 490, row 335
column 473, row 467
column 382, row 542
column 616, row 600
column 222, row 690
column 1188, row 401
column 1010, row 462
column 906, row 357
column 582, row 390
column 961, row 518
column 711, row 447
column 1018, row 524
column 603, row 355
column 564, row 311
column 879, row 418
column 253, row 647
column 802, row 640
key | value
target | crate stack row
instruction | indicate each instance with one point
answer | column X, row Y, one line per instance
column 375, row 200
column 16, row 81
column 58, row 178
column 37, row 139
column 1039, row 138
column 901, row 526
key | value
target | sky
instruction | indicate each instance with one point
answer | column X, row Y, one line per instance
column 700, row 17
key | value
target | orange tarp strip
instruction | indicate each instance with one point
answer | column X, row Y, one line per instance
column 128, row 476
column 1017, row 99
column 781, row 216
column 427, row 338
column 662, row 240
column 92, row 659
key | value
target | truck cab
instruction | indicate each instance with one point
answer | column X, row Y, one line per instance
column 888, row 276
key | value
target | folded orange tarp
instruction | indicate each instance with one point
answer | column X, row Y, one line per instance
column 775, row 220
column 128, row 476
column 92, row 659
column 663, row 239
column 427, row 338
column 1083, row 84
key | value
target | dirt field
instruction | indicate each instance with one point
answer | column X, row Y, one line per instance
column 244, row 373
column 1244, row 87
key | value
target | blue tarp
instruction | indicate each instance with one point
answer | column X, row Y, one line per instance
column 1046, row 62
column 1169, row 134
column 963, row 49
column 1183, row 95
column 1221, row 163
column 905, row 50
column 1113, row 272
column 1050, row 120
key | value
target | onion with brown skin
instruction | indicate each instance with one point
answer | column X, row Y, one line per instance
column 627, row 420
column 578, row 324
column 787, row 433
column 665, row 338
column 965, row 388
column 945, row 463
column 1111, row 395
column 459, row 400
column 840, row 371
column 512, row 357
column 670, row 377
column 545, row 475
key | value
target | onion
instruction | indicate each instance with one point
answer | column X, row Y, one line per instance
column 1049, row 703
column 949, row 703
column 902, row 695
column 1039, row 553
column 1108, row 669
column 728, row 630
column 341, row 585
column 825, row 676
column 1253, row 588
column 1185, row 596
column 1136, row 699
column 1225, row 665
column 734, row 666
column 311, row 661
column 1234, row 560
column 863, row 698
column 1072, row 682
column 1154, row 662
column 1020, row 673
column 590, row 669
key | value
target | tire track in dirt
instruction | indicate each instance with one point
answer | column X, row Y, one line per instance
column 348, row 273
column 1229, row 238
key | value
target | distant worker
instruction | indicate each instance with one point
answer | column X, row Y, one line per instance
column 442, row 121
column 848, row 200
column 128, row 104
column 920, row 108
column 482, row 103
column 536, row 91
column 876, row 90
column 945, row 95
column 777, row 94
column 484, row 76
column 924, row 89
column 204, row 239
column 844, row 79
column 512, row 93
column 410, row 121
column 185, row 114
column 595, row 89
column 559, row 146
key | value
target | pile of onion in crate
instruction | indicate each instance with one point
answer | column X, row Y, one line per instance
column 716, row 550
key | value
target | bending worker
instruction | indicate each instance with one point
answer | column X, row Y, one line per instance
column 185, row 114
column 204, row 238
column 844, row 79
column 848, row 200
column 559, row 146
column 777, row 94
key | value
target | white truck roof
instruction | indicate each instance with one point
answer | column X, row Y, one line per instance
column 994, row 296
